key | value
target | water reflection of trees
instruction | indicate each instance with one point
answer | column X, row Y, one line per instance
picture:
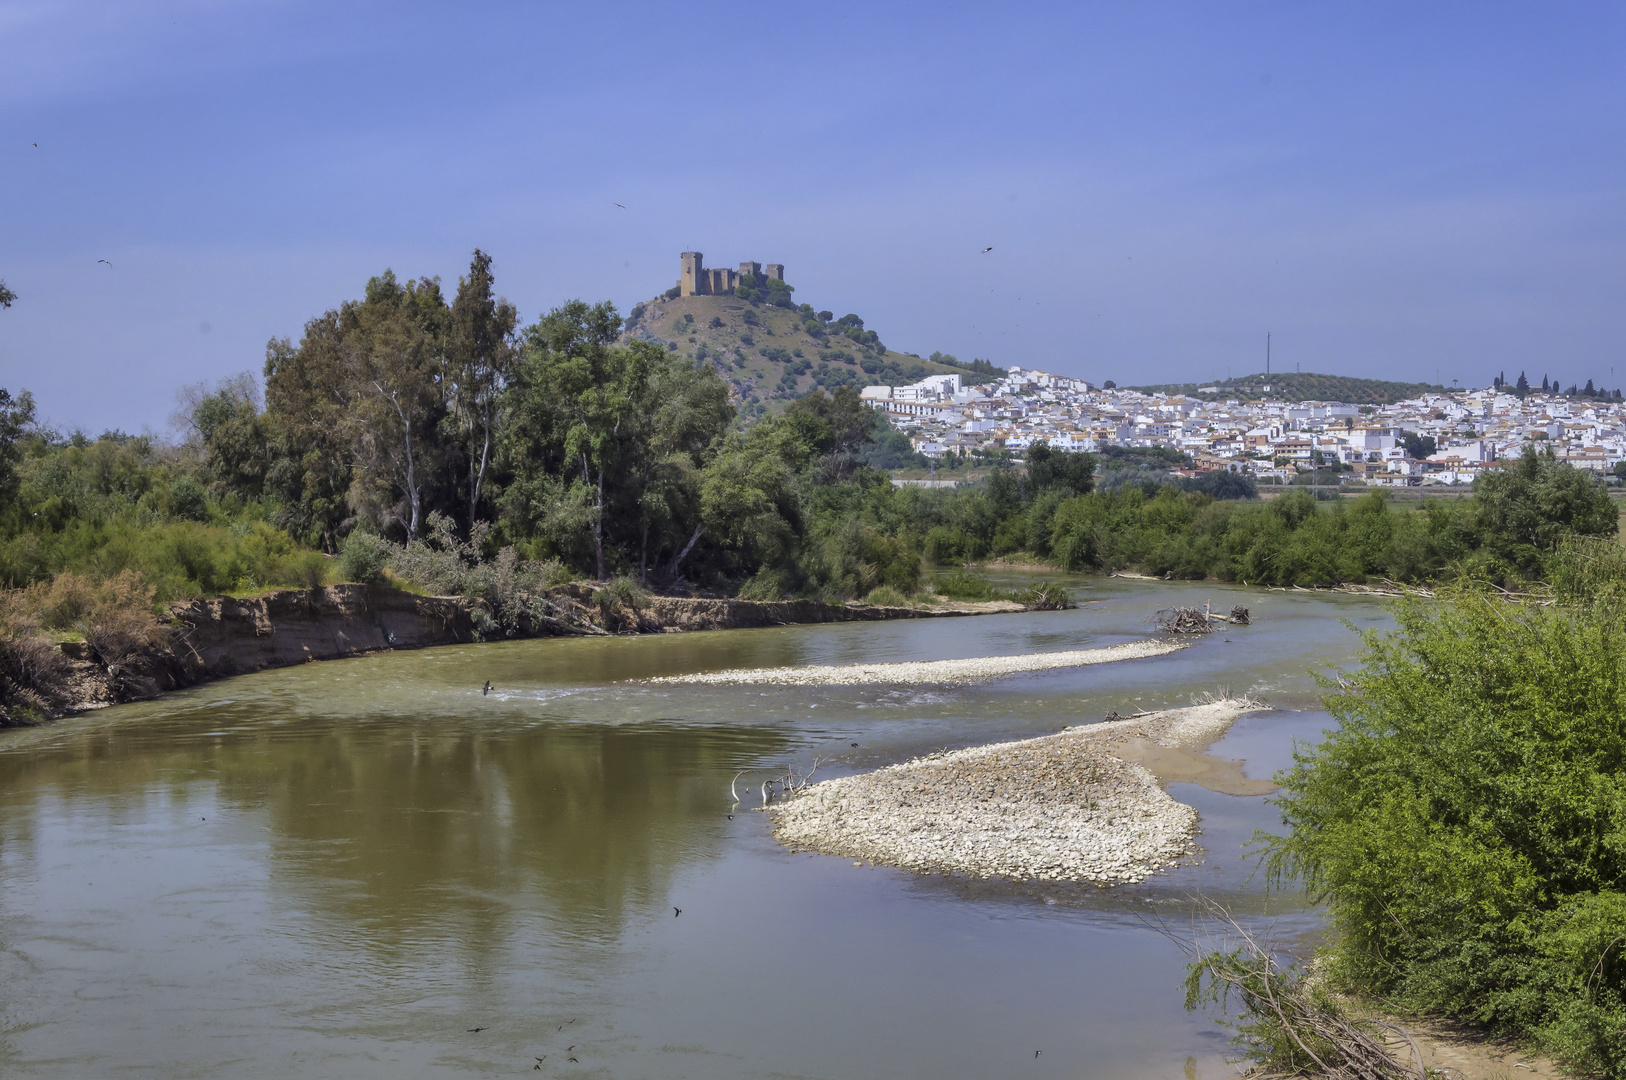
column 422, row 830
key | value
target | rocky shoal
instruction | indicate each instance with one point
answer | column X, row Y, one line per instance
column 1060, row 807
column 930, row 671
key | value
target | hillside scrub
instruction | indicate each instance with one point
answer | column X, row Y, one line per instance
column 1466, row 820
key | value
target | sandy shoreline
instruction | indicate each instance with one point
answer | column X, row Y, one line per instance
column 1063, row 807
column 929, row 671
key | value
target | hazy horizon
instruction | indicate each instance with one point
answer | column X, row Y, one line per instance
column 1422, row 195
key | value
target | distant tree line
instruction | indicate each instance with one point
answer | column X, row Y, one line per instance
column 406, row 417
column 1521, row 388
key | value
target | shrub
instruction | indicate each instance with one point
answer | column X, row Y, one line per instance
column 507, row 585
column 304, row 570
column 944, row 545
column 363, row 557
column 1466, row 821
column 886, row 596
column 187, row 500
column 621, row 592
column 964, row 585
column 33, row 671
column 768, row 584
column 1048, row 596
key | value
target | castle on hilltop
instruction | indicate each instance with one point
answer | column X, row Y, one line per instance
column 696, row 280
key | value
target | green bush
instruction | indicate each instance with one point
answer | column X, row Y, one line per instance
column 304, row 570
column 964, row 585
column 1466, row 821
column 886, row 596
column 363, row 557
column 188, row 501
column 945, row 545
column 767, row 584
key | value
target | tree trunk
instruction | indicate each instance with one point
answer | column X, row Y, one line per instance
column 598, row 526
column 671, row 567
column 411, row 467
column 478, row 478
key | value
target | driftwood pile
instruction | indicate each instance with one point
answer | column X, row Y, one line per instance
column 1286, row 1026
column 1190, row 620
column 1183, row 620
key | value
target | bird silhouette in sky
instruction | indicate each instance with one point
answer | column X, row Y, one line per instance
column 987, row 249
column 622, row 207
column 676, row 912
column 1036, row 1053
column 109, row 265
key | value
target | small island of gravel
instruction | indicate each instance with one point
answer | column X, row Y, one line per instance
column 1063, row 807
column 930, row 671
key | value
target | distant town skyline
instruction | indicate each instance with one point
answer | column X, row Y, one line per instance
column 1104, row 193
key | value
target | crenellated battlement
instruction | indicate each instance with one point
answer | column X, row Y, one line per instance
column 695, row 280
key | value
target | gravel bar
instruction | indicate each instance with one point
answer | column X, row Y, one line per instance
column 1057, row 808
column 929, row 671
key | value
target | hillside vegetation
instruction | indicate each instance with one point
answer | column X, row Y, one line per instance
column 1299, row 386
column 770, row 353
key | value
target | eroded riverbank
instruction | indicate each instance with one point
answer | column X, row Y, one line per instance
column 224, row 636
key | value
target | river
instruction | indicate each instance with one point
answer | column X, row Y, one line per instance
column 340, row 869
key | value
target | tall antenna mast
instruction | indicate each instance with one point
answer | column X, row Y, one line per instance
column 1267, row 354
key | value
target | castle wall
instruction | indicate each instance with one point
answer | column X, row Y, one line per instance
column 696, row 280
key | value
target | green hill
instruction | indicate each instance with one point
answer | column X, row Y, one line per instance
column 770, row 353
column 1299, row 386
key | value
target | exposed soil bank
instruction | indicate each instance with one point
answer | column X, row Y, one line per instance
column 223, row 636
column 1063, row 807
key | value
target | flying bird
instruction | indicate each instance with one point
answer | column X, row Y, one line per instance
column 474, row 1029
column 109, row 265
column 1036, row 1053
column 676, row 912
column 570, row 1049
column 570, row 1059
column 855, row 746
column 486, row 689
column 987, row 249
column 622, row 207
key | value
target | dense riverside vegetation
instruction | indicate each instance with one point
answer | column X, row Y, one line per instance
column 1466, row 821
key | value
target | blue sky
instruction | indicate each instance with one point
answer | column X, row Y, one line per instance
column 1397, row 190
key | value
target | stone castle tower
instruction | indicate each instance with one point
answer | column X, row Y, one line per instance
column 696, row 280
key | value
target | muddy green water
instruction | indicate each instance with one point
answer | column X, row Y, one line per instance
column 338, row 869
